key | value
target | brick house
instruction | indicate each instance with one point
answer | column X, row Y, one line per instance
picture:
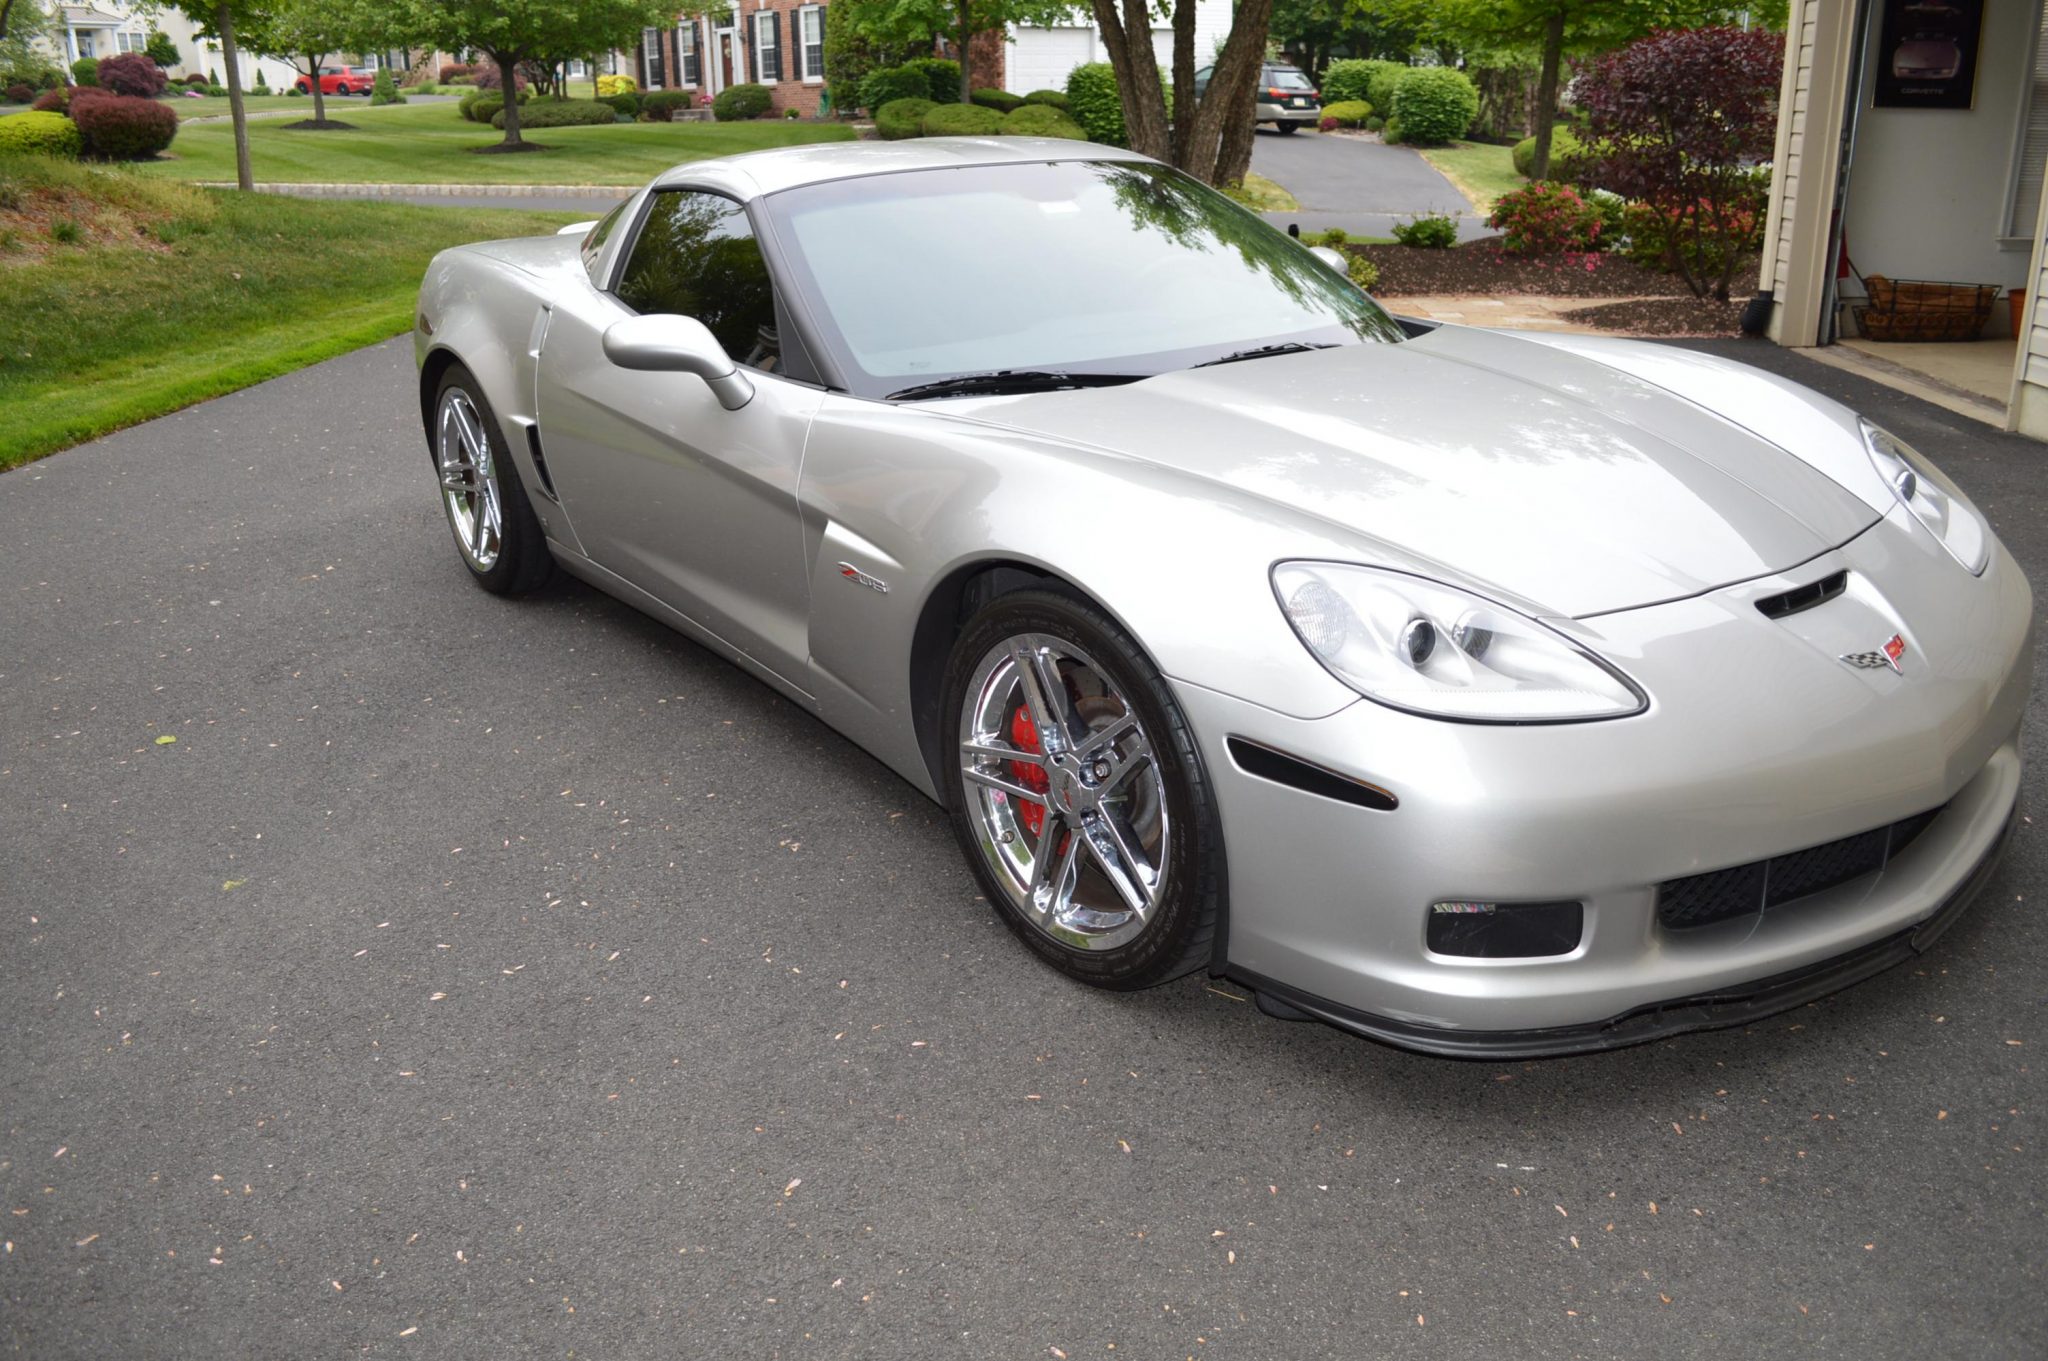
column 777, row 43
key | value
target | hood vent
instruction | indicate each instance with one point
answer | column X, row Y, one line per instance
column 1804, row 597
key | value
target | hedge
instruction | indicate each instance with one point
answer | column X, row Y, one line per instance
column 1056, row 98
column 625, row 103
column 891, row 83
column 659, row 106
column 122, row 127
column 1569, row 157
column 1041, row 120
column 1432, row 105
column 1094, row 103
column 738, row 103
column 901, row 118
column 962, row 120
column 1352, row 78
column 41, row 134
column 1349, row 113
column 1002, row 101
column 562, row 113
column 941, row 78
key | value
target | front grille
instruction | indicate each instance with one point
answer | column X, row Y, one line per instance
column 1740, row 890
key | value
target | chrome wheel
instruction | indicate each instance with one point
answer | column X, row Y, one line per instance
column 469, row 480
column 1064, row 792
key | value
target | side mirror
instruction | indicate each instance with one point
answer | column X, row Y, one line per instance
column 661, row 343
column 1331, row 258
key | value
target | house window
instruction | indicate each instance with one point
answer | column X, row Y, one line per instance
column 811, row 44
column 686, row 45
column 767, row 51
column 650, row 56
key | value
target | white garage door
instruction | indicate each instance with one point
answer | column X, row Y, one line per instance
column 1041, row 57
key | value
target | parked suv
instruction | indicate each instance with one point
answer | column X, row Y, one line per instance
column 1286, row 97
column 340, row 80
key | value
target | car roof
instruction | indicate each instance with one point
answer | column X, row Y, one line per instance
column 754, row 173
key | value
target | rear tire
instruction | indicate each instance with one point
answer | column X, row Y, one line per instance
column 1078, row 793
column 496, row 533
column 1287, row 128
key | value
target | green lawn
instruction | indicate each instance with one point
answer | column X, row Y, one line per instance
column 1482, row 172
column 170, row 294
column 216, row 106
column 432, row 144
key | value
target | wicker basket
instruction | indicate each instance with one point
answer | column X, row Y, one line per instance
column 1919, row 309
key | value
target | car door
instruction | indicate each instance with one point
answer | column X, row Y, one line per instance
column 689, row 502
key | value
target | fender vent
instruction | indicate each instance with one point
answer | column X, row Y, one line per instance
column 540, row 463
column 1281, row 768
column 1803, row 597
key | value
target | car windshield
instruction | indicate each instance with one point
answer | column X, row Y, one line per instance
column 1287, row 78
column 1085, row 267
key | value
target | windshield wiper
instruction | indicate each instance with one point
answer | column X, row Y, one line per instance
column 1011, row 380
column 1261, row 351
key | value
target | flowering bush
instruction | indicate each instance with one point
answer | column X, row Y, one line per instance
column 1546, row 219
column 1690, row 238
column 132, row 73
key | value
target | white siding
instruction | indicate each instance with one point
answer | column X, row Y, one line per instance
column 1041, row 58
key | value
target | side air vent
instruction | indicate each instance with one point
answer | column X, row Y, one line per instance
column 1281, row 768
column 540, row 462
column 1804, row 597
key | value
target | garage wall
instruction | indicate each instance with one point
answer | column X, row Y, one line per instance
column 1928, row 188
column 1041, row 58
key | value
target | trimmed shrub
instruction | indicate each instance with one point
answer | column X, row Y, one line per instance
column 1056, row 98
column 1002, row 101
column 123, row 127
column 132, row 73
column 1432, row 231
column 1375, row 123
column 425, row 87
column 1571, row 160
column 1041, row 120
column 901, row 118
column 1546, row 218
column 962, row 120
column 221, row 91
column 1363, row 272
column 488, row 77
column 384, row 90
column 1434, row 104
column 562, row 113
column 738, row 103
column 1380, row 84
column 607, row 86
column 456, row 70
column 941, row 78
column 197, row 79
column 20, row 94
column 259, row 89
column 53, row 101
column 1336, row 236
column 1351, row 79
column 85, row 71
column 480, row 107
column 659, row 106
column 1347, row 113
column 1093, row 102
column 296, row 93
column 891, row 83
column 625, row 103
column 40, row 134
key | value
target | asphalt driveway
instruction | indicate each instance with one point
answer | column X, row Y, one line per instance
column 513, row 980
column 1356, row 183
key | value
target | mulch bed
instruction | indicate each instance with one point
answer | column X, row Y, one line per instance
column 1660, row 303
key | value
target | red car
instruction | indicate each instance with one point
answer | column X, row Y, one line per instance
column 339, row 80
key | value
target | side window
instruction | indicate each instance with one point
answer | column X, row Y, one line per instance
column 697, row 257
column 594, row 239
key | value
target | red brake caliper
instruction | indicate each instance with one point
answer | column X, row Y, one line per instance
column 1024, row 734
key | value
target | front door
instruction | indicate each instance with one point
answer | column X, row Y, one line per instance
column 726, row 61
column 689, row 502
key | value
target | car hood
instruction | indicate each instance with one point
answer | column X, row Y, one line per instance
column 1510, row 464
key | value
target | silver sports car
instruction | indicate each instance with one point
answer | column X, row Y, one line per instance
column 1478, row 692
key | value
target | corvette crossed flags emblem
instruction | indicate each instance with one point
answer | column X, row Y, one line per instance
column 1888, row 655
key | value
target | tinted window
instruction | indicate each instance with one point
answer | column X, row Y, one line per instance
column 697, row 257
column 1075, row 266
column 1287, row 78
column 594, row 239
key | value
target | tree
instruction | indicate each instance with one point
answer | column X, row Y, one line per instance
column 1210, row 138
column 221, row 20
column 306, row 33
column 1555, row 28
column 160, row 49
column 22, row 23
column 1315, row 31
column 513, row 31
column 1682, row 117
column 914, row 23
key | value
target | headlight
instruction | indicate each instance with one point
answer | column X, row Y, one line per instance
column 1931, row 497
column 1432, row 649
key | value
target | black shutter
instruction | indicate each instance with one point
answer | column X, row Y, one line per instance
column 775, row 27
column 743, row 30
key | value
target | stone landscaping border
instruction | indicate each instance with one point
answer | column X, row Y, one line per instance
column 319, row 190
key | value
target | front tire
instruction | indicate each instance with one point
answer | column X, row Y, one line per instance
column 499, row 539
column 1078, row 793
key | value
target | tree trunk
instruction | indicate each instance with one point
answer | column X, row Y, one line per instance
column 1546, row 92
column 1183, row 79
column 313, row 77
column 964, row 33
column 224, row 25
column 1137, row 76
column 508, row 76
column 6, row 8
column 1225, row 116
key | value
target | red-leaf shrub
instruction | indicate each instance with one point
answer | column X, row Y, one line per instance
column 1547, row 218
column 53, row 101
column 123, row 127
column 19, row 94
column 488, row 76
column 455, row 70
column 132, row 73
column 196, row 80
column 1684, row 116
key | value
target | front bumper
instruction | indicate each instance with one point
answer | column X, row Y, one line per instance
column 1758, row 742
